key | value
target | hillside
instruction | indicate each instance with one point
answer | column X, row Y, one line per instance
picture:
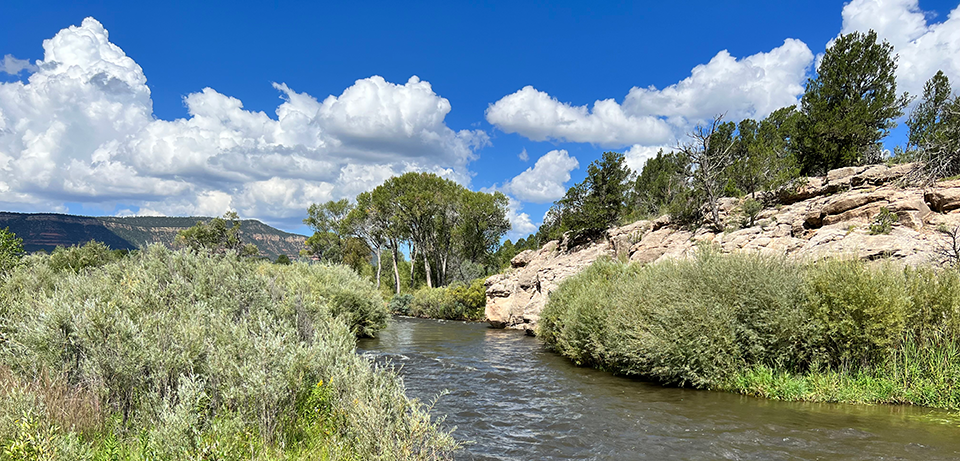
column 829, row 216
column 46, row 231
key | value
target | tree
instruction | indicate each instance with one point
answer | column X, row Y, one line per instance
column 331, row 229
column 590, row 207
column 483, row 222
column 709, row 154
column 11, row 250
column 660, row 182
column 216, row 236
column 850, row 105
column 763, row 159
column 934, row 140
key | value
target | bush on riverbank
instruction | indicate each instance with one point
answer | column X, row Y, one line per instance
column 179, row 355
column 836, row 330
column 458, row 301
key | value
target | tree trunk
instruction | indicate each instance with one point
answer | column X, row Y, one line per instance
column 396, row 270
column 413, row 262
column 379, row 264
column 426, row 267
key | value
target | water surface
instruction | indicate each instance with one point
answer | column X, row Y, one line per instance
column 513, row 400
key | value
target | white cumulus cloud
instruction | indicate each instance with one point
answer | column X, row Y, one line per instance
column 82, row 129
column 749, row 87
column 545, row 181
column 923, row 46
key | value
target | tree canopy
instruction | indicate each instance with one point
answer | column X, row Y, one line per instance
column 219, row 235
column 850, row 105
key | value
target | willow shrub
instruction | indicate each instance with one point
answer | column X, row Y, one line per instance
column 706, row 320
column 187, row 356
column 683, row 322
column 458, row 301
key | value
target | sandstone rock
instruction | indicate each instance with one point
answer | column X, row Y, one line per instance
column 523, row 258
column 943, row 199
column 815, row 225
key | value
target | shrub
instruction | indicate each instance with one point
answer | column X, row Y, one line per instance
column 455, row 302
column 883, row 222
column 77, row 258
column 739, row 321
column 400, row 304
column 188, row 355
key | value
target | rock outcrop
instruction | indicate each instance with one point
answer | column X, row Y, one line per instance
column 828, row 216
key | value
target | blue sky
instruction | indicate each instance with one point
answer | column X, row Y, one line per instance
column 137, row 111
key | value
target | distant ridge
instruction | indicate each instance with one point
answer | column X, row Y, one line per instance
column 46, row 231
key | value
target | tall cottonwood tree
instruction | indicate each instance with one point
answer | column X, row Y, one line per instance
column 850, row 105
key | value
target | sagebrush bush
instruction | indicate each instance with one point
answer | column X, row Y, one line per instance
column 193, row 355
column 714, row 320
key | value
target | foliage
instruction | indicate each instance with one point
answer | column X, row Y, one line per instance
column 661, row 182
column 332, row 230
column 850, row 105
column 934, row 139
column 400, row 304
column 710, row 154
column 883, row 222
column 77, row 258
column 750, row 209
column 11, row 249
column 184, row 355
column 446, row 226
column 590, row 207
column 216, row 236
column 735, row 322
column 455, row 302
column 283, row 259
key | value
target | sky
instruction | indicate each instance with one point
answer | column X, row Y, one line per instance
column 198, row 108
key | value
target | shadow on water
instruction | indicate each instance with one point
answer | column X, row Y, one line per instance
column 511, row 399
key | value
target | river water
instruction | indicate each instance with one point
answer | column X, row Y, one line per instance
column 510, row 399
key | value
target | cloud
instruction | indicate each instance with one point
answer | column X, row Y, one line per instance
column 524, row 156
column 923, row 46
column 636, row 156
column 750, row 87
column 520, row 223
column 82, row 129
column 13, row 66
column 540, row 117
column 545, row 181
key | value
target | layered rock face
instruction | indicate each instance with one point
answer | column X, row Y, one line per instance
column 828, row 216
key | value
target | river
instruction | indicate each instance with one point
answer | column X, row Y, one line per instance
column 511, row 399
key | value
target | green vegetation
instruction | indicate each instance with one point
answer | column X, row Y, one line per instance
column 834, row 330
column 883, row 222
column 850, row 105
column 215, row 236
column 451, row 232
column 11, row 250
column 193, row 355
column 934, row 133
column 458, row 301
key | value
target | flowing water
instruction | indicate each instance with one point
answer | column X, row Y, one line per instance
column 511, row 399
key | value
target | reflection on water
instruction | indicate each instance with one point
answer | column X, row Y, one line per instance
column 511, row 399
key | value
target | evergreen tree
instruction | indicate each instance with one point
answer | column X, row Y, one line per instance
column 850, row 105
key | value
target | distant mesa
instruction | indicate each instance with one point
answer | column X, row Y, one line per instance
column 46, row 231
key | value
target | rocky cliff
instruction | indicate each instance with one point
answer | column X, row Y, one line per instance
column 46, row 231
column 828, row 216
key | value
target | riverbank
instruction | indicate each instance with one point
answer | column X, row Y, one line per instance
column 178, row 355
column 833, row 331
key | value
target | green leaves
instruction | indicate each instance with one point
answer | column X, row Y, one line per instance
column 11, row 249
column 850, row 105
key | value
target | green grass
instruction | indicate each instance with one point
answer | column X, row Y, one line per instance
column 177, row 355
column 836, row 330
